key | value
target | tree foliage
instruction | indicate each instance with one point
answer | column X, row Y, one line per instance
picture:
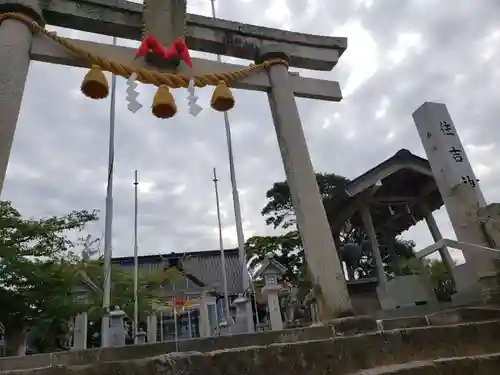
column 442, row 281
column 122, row 292
column 279, row 208
column 287, row 248
column 36, row 281
column 45, row 282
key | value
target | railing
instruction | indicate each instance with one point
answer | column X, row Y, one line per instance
column 463, row 246
column 464, row 278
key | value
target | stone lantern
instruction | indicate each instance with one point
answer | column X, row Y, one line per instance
column 271, row 271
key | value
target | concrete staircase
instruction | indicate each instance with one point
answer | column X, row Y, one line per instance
column 460, row 341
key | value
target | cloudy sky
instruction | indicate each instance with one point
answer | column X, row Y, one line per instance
column 400, row 54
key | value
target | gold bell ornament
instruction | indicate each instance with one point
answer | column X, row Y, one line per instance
column 95, row 85
column 164, row 103
column 222, row 98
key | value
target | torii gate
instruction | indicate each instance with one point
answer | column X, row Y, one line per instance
column 22, row 39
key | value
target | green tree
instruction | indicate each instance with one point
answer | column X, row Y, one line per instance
column 279, row 208
column 442, row 281
column 44, row 283
column 36, row 282
column 287, row 248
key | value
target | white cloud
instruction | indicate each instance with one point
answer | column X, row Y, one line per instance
column 382, row 110
column 278, row 14
column 361, row 56
column 406, row 43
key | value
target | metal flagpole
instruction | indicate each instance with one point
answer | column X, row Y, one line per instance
column 108, row 228
column 237, row 213
column 136, row 262
column 222, row 255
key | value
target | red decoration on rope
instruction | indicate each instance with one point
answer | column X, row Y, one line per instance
column 180, row 302
column 178, row 50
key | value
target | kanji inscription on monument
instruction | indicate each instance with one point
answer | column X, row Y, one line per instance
column 445, row 150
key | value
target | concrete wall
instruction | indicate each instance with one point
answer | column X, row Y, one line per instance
column 365, row 302
column 404, row 291
column 466, row 284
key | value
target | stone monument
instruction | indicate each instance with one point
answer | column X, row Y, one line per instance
column 459, row 187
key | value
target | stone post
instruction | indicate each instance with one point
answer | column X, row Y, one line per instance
column 458, row 186
column 80, row 332
column 271, row 290
column 15, row 43
column 152, row 327
column 140, row 337
column 293, row 304
column 372, row 237
column 240, row 322
column 320, row 252
column 117, row 332
column 313, row 307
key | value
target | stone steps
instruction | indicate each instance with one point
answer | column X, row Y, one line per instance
column 336, row 356
column 347, row 344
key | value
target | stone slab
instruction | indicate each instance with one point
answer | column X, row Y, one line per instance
column 46, row 50
column 408, row 322
column 353, row 325
column 474, row 365
column 123, row 19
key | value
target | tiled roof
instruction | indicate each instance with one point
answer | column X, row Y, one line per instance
column 203, row 265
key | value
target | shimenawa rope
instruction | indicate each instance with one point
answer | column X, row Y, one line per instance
column 150, row 76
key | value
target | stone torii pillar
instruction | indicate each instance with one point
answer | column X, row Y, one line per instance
column 320, row 252
column 15, row 44
column 165, row 19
